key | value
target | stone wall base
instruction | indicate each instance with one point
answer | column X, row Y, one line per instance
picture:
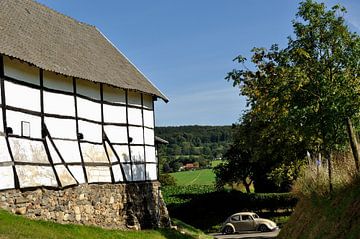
column 116, row 206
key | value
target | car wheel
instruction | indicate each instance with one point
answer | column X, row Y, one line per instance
column 263, row 228
column 228, row 230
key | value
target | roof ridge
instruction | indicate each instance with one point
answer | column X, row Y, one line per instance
column 62, row 14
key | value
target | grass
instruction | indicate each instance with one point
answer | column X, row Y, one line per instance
column 15, row 227
column 196, row 177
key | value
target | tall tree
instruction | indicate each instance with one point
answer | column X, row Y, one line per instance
column 309, row 91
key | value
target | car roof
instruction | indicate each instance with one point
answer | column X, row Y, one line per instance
column 243, row 213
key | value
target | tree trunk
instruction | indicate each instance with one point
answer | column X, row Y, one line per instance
column 329, row 158
column 353, row 143
column 247, row 185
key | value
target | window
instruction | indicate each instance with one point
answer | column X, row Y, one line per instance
column 235, row 218
column 25, row 129
column 246, row 217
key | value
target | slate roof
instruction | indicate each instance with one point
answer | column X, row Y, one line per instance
column 54, row 42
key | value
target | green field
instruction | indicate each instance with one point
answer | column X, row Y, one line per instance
column 196, row 177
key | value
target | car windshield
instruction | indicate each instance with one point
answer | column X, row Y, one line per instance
column 255, row 215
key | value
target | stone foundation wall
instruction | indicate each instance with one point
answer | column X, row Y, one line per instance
column 122, row 206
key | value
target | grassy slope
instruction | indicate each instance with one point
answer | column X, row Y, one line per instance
column 196, row 177
column 335, row 218
column 12, row 226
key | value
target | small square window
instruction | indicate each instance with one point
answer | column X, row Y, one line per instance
column 25, row 129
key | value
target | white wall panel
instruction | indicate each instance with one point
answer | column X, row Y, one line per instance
column 135, row 116
column 150, row 154
column 7, row 177
column 147, row 101
column 14, row 119
column 88, row 88
column 137, row 153
column 114, row 114
column 21, row 71
column 149, row 118
column 136, row 133
column 123, row 152
column 93, row 153
column 24, row 150
column 58, row 82
column 4, row 153
column 116, row 134
column 149, row 136
column 118, row 177
column 134, row 98
column 151, row 172
column 88, row 109
column 64, row 175
column 111, row 154
column 69, row 150
column 59, row 104
column 78, row 173
column 54, row 155
column 127, row 171
column 34, row 176
column 30, row 98
column 91, row 131
column 113, row 94
column 138, row 172
column 98, row 174
column 61, row 128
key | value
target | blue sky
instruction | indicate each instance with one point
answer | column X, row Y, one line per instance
column 186, row 47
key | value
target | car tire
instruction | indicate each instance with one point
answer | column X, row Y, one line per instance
column 228, row 230
column 263, row 228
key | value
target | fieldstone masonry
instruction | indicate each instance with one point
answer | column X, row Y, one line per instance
column 122, row 206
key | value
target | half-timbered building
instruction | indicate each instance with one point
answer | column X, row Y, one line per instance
column 74, row 109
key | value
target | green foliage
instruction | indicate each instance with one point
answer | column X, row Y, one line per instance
column 167, row 180
column 189, row 144
column 204, row 207
column 17, row 227
column 300, row 97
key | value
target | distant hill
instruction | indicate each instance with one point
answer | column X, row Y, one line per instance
column 189, row 144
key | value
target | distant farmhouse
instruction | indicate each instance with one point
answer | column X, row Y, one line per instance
column 77, row 116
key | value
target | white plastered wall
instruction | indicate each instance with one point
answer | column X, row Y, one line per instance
column 4, row 153
column 30, row 97
column 113, row 95
column 98, row 174
column 59, row 104
column 138, row 172
column 93, row 153
column 14, row 119
column 91, row 131
column 69, row 150
column 7, row 177
column 61, row 128
column 114, row 114
column 25, row 150
column 58, row 82
column 21, row 71
column 34, row 176
column 116, row 134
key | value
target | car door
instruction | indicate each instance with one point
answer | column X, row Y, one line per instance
column 236, row 221
column 246, row 223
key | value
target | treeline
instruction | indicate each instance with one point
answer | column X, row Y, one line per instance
column 192, row 144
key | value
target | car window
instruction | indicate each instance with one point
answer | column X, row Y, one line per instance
column 235, row 218
column 246, row 217
column 255, row 215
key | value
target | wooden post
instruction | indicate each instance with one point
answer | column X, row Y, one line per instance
column 353, row 143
